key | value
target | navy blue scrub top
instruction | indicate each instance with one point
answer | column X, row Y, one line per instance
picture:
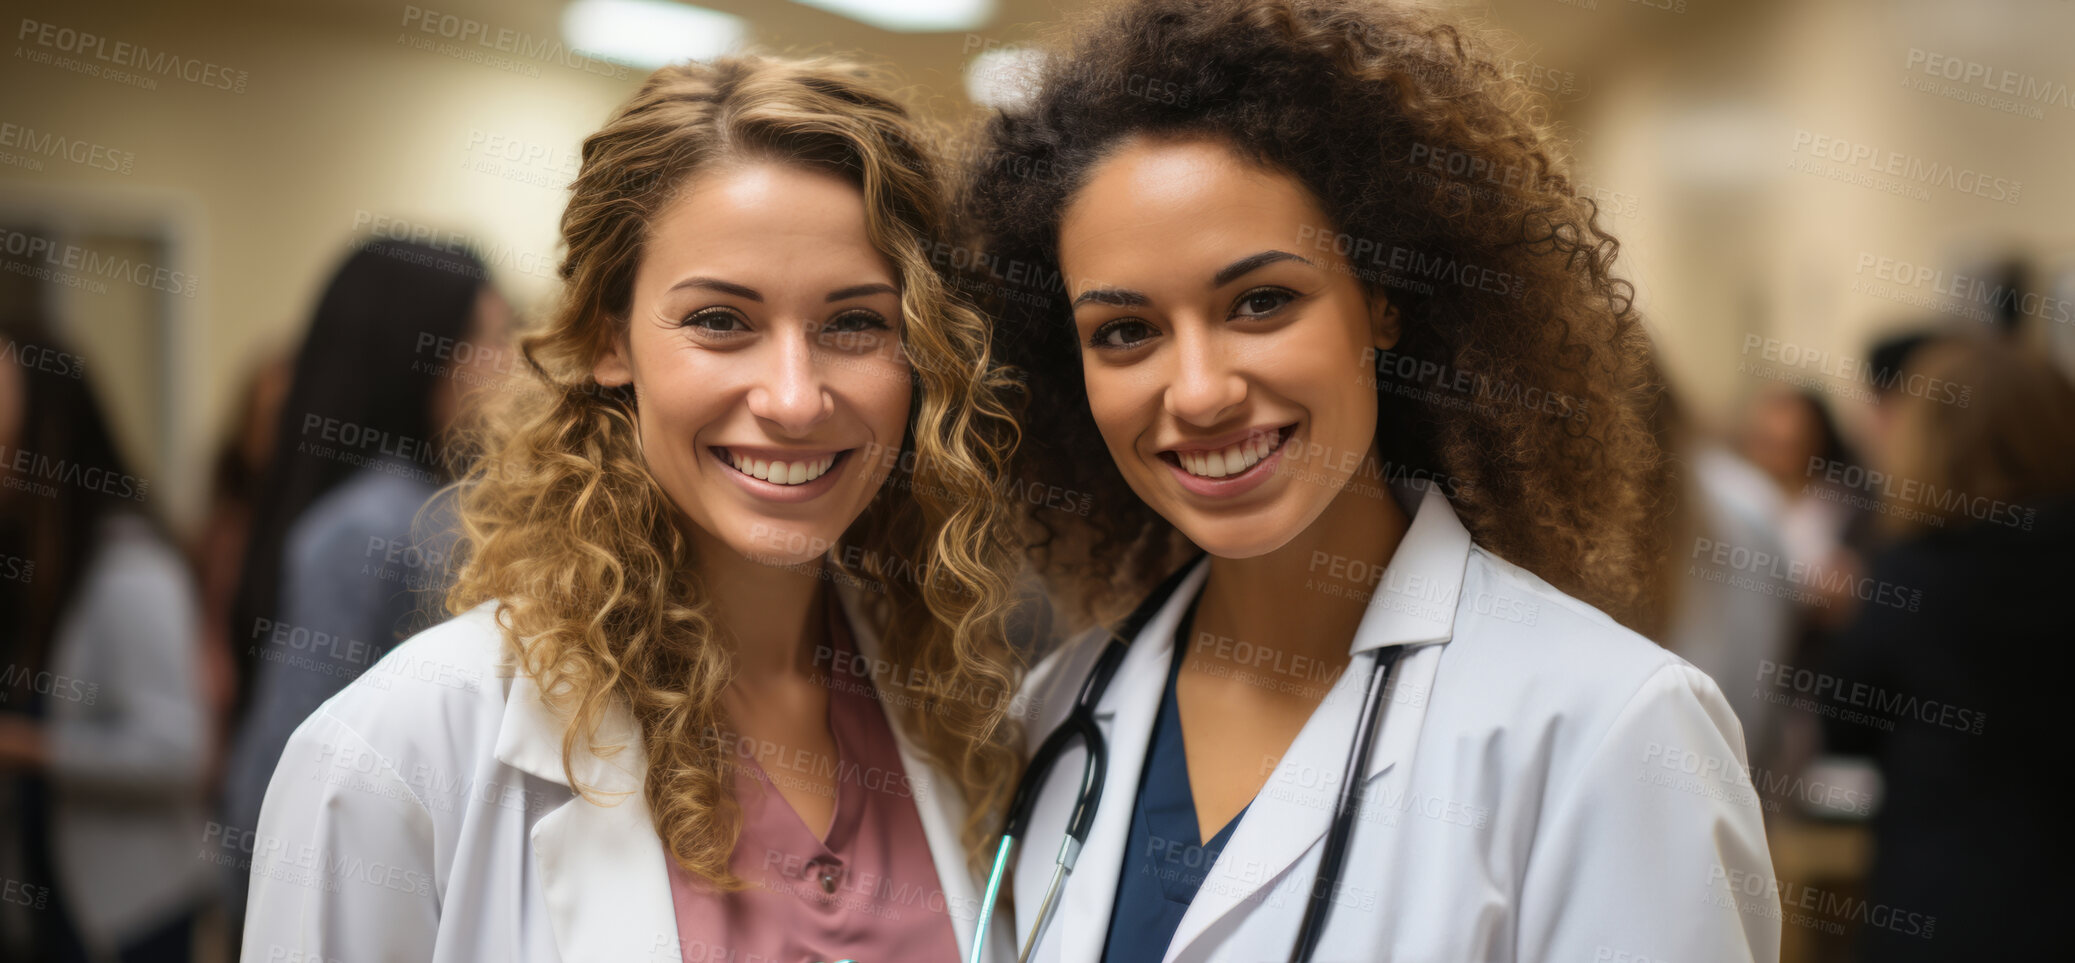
column 1165, row 863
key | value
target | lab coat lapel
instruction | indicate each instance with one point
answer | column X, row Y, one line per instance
column 940, row 804
column 601, row 864
column 1125, row 715
column 1412, row 605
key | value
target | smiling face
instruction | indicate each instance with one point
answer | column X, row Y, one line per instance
column 763, row 344
column 1225, row 349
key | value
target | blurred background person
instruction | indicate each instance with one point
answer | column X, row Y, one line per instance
column 1790, row 435
column 103, row 723
column 1888, row 355
column 1960, row 693
column 334, row 574
column 1722, row 628
column 218, row 550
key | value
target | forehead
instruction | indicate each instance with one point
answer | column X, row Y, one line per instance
column 754, row 217
column 1182, row 200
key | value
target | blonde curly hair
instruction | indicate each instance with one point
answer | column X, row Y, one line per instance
column 564, row 526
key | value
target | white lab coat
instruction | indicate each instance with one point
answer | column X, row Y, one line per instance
column 423, row 814
column 1526, row 799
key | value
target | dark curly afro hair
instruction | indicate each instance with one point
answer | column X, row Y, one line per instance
column 1523, row 378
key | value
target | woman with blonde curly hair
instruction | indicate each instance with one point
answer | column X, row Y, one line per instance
column 726, row 678
column 1307, row 294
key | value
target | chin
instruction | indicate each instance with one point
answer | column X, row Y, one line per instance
column 1237, row 545
column 1243, row 537
column 779, row 542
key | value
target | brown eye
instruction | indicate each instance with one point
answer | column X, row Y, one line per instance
column 715, row 320
column 1121, row 333
column 856, row 321
column 1261, row 302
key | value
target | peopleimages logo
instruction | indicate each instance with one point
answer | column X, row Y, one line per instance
column 1914, row 171
column 505, row 40
column 1966, row 289
column 37, row 251
column 133, row 56
column 38, row 474
column 1773, row 895
column 1890, row 489
column 1824, row 686
column 1988, row 79
column 85, row 153
column 1765, row 573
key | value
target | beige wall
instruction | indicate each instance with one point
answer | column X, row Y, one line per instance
column 1696, row 115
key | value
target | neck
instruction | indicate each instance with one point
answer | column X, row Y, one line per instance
column 1308, row 597
column 771, row 616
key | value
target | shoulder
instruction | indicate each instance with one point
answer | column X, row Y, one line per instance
column 135, row 572
column 435, row 701
column 1529, row 657
column 131, row 551
column 1050, row 688
column 379, row 501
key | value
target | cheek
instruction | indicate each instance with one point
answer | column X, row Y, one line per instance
column 1115, row 398
column 880, row 389
column 679, row 396
column 1331, row 378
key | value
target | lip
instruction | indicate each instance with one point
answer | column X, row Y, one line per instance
column 1231, row 485
column 761, row 489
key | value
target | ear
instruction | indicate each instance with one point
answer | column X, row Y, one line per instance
column 612, row 369
column 1383, row 322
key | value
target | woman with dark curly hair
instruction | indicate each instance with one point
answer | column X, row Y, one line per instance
column 1311, row 275
column 727, row 675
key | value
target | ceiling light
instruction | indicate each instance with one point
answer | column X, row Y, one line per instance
column 911, row 16
column 650, row 33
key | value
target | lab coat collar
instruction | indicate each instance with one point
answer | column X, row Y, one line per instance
column 1413, row 604
column 603, row 877
column 602, row 866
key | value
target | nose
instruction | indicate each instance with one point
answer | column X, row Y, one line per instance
column 1204, row 387
column 790, row 393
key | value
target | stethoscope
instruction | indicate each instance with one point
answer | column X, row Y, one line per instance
column 1080, row 724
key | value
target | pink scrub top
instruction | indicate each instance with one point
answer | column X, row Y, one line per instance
column 869, row 892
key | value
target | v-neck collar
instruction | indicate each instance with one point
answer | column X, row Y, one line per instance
column 847, row 711
column 1177, row 797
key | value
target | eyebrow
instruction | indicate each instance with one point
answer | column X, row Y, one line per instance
column 1127, row 298
column 860, row 290
column 724, row 287
column 1117, row 297
column 1251, row 262
column 751, row 294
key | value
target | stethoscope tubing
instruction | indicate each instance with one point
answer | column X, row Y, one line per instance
column 1080, row 725
column 1345, row 806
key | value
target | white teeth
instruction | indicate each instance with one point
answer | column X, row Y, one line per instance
column 781, row 472
column 1231, row 460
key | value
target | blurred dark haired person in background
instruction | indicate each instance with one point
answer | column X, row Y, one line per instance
column 1978, row 501
column 333, row 572
column 103, row 730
